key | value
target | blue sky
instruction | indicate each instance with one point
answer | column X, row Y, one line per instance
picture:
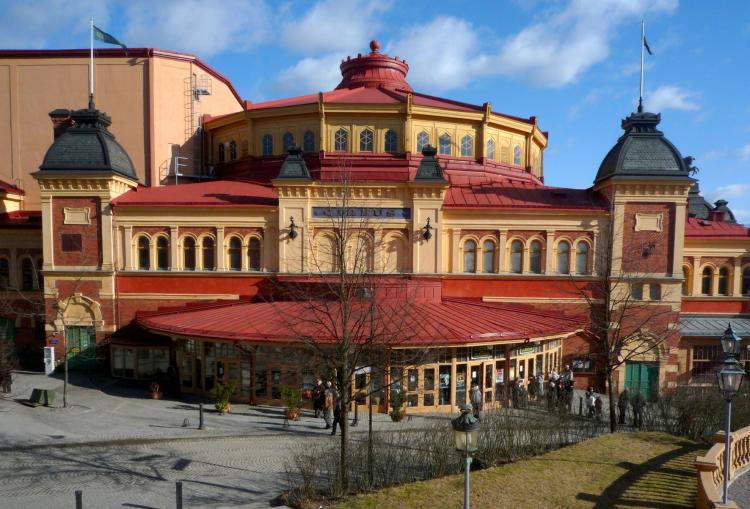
column 572, row 63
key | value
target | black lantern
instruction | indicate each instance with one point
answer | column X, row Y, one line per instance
column 292, row 229
column 466, row 430
column 427, row 234
column 731, row 342
column 730, row 378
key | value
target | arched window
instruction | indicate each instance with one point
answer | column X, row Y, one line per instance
column 516, row 256
column 366, row 140
column 745, row 281
column 563, row 257
column 208, row 250
column 723, row 281
column 582, row 258
column 221, row 153
column 267, row 145
column 470, row 256
column 341, row 140
column 490, row 149
column 309, row 142
column 232, row 150
column 706, row 280
column 27, row 274
column 390, row 140
column 144, row 253
column 654, row 291
column 423, row 139
column 488, row 256
column 467, row 146
column 445, row 144
column 253, row 254
column 188, row 253
column 4, row 273
column 235, row 254
column 517, row 155
column 535, row 257
column 687, row 280
column 288, row 140
column 162, row 253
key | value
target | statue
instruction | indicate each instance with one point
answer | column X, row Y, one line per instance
column 692, row 170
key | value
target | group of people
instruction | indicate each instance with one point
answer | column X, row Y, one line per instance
column 327, row 404
column 637, row 403
column 559, row 393
column 594, row 404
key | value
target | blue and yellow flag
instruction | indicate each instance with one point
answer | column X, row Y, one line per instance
column 101, row 35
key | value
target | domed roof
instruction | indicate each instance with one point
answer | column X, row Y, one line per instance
column 374, row 70
column 87, row 145
column 642, row 152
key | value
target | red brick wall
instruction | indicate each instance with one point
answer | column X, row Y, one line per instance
column 527, row 234
column 660, row 259
column 90, row 233
column 151, row 230
column 561, row 287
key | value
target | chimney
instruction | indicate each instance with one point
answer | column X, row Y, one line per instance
column 60, row 121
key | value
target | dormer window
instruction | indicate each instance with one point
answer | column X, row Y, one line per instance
column 467, row 146
column 490, row 149
column 390, row 140
column 445, row 145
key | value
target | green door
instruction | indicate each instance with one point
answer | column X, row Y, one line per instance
column 81, row 343
column 642, row 376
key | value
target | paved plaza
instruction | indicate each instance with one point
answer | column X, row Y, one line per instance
column 124, row 450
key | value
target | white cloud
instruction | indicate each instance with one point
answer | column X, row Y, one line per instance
column 556, row 50
column 744, row 152
column 730, row 191
column 203, row 28
column 335, row 25
column 310, row 75
column 33, row 25
column 442, row 54
column 671, row 97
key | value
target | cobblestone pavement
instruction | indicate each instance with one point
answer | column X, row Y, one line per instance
column 739, row 490
column 124, row 450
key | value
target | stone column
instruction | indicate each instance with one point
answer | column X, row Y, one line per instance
column 128, row 247
column 174, row 251
column 501, row 250
column 549, row 253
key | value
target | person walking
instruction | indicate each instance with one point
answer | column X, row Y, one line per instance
column 590, row 402
column 638, row 403
column 540, row 384
column 328, row 403
column 475, row 397
column 623, row 402
column 337, row 411
column 598, row 409
column 551, row 396
column 318, row 397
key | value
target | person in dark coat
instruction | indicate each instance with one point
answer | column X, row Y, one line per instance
column 318, row 397
column 638, row 402
column 337, row 411
column 598, row 405
column 623, row 402
column 551, row 395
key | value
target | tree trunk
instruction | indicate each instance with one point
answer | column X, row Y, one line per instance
column 611, row 389
column 370, row 450
column 345, row 390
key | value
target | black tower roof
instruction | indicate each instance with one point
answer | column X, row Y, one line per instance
column 642, row 152
column 87, row 145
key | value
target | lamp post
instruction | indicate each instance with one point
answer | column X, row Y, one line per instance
column 730, row 380
column 466, row 435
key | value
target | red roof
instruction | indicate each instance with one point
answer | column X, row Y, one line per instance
column 10, row 188
column 227, row 193
column 698, row 228
column 21, row 219
column 450, row 321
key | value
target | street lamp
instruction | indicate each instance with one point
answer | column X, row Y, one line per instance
column 466, row 436
column 730, row 380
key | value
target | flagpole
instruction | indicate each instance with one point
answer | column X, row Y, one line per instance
column 91, row 66
column 640, row 94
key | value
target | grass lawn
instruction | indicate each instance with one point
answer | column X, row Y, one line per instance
column 628, row 470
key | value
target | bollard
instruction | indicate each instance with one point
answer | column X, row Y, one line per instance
column 580, row 405
column 178, row 493
column 79, row 499
column 200, row 416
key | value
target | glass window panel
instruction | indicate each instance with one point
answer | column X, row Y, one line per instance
column 490, row 149
column 162, row 253
column 309, row 142
column 470, row 248
column 235, row 254
column 706, row 280
column 517, row 155
column 746, row 281
column 232, row 150
column 467, row 146
column 429, row 399
column 188, row 250
column 391, row 140
column 563, row 258
column 535, row 257
column 516, row 256
column 423, row 139
column 488, row 255
column 445, row 144
column 253, row 251
column 445, row 385
column 341, row 140
column 723, row 281
column 221, row 153
column 429, row 379
column 208, row 254
column 654, row 291
column 267, row 145
column 366, row 140
column 288, row 140
column 413, row 380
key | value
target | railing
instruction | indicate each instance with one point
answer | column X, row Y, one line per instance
column 711, row 469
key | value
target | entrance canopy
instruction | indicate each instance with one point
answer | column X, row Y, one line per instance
column 397, row 322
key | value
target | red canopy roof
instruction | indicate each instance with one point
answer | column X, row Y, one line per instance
column 697, row 228
column 21, row 219
column 227, row 193
column 450, row 321
column 10, row 188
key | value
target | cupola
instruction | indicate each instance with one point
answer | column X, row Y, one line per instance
column 375, row 69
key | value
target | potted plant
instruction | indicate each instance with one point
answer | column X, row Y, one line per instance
column 155, row 393
column 397, row 404
column 293, row 398
column 222, row 393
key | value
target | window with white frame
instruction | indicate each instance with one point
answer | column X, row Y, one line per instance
column 391, row 140
column 144, row 253
column 563, row 257
column 516, row 256
column 341, row 140
column 444, row 147
column 490, row 149
column 517, row 155
column 535, row 257
column 423, row 139
column 467, row 146
column 582, row 258
column 470, row 256
column 366, row 140
column 488, row 256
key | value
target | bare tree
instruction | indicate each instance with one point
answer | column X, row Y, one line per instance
column 342, row 315
column 624, row 324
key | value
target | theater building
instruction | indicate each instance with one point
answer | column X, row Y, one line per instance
column 500, row 272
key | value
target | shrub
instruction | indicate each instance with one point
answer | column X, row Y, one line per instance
column 222, row 393
column 292, row 396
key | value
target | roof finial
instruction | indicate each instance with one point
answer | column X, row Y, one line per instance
column 92, row 107
column 375, row 46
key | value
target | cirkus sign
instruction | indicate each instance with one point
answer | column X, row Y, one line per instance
column 364, row 212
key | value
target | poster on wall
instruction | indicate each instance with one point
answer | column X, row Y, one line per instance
column 499, row 375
